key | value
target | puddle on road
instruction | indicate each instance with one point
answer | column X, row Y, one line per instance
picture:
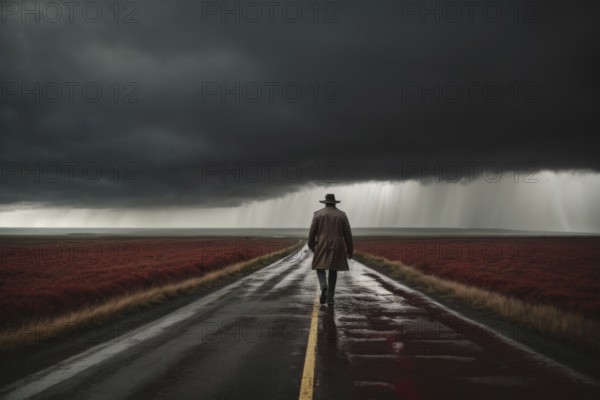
column 370, row 333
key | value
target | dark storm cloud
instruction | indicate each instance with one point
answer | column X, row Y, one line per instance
column 171, row 138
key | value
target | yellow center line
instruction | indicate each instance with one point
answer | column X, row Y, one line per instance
column 308, row 376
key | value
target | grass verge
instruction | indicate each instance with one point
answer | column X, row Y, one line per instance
column 576, row 329
column 44, row 329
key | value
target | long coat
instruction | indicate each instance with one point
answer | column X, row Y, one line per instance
column 330, row 238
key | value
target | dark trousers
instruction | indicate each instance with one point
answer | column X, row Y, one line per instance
column 323, row 282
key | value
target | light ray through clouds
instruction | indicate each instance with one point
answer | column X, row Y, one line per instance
column 563, row 201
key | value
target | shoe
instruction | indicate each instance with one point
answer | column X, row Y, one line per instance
column 323, row 295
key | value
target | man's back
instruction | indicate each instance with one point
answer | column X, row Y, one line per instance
column 330, row 238
column 331, row 221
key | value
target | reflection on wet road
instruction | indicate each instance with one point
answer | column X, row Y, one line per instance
column 385, row 341
column 248, row 340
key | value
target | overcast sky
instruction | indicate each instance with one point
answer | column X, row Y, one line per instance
column 164, row 106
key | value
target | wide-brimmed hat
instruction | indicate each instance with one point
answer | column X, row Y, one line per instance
column 329, row 199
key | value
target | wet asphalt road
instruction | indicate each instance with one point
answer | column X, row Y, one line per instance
column 248, row 341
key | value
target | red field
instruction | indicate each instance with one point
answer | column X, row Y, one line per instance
column 46, row 277
column 564, row 272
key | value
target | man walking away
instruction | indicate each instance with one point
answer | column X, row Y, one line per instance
column 330, row 238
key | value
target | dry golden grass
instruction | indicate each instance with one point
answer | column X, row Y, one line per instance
column 41, row 330
column 575, row 328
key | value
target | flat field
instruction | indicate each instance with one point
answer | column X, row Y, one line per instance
column 42, row 277
column 559, row 271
